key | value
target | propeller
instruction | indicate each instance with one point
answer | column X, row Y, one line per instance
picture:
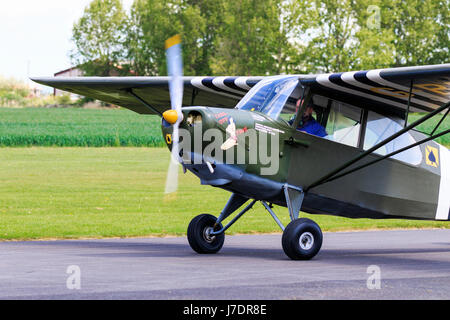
column 174, row 116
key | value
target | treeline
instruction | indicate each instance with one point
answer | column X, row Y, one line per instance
column 261, row 37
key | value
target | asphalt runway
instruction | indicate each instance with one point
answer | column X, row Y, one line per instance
column 413, row 264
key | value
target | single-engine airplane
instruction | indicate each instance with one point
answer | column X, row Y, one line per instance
column 370, row 161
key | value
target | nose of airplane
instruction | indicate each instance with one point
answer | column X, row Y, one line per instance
column 171, row 116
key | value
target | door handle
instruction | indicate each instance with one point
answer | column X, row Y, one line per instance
column 297, row 142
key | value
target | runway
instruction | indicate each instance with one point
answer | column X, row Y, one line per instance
column 411, row 264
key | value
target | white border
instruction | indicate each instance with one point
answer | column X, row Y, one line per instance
column 444, row 187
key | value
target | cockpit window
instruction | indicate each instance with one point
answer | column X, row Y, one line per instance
column 380, row 128
column 271, row 97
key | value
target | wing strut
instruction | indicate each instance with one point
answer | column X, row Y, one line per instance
column 130, row 91
column 333, row 175
column 409, row 102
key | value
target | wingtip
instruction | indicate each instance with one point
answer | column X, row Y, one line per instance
column 38, row 80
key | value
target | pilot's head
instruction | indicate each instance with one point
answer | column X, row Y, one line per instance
column 308, row 111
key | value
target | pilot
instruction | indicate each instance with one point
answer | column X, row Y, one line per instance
column 308, row 124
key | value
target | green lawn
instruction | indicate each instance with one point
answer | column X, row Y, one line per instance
column 430, row 124
column 118, row 192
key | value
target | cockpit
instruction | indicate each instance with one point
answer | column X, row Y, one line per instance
column 273, row 96
column 352, row 125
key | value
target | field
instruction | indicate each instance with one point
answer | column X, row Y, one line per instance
column 70, row 127
column 118, row 192
column 78, row 127
column 60, row 188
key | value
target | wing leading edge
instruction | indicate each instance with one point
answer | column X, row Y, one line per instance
column 128, row 92
column 383, row 90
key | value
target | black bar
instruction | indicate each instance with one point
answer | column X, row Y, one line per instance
column 234, row 219
column 143, row 102
column 409, row 103
column 377, row 146
column 362, row 134
column 387, row 156
column 194, row 94
column 439, row 123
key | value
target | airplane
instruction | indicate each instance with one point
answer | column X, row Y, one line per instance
column 370, row 162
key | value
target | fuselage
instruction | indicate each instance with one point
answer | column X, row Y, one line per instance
column 268, row 154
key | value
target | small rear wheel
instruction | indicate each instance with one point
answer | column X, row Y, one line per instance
column 302, row 239
column 199, row 234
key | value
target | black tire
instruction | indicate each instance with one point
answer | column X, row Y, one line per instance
column 311, row 239
column 198, row 238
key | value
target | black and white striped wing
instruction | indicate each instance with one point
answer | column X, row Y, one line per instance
column 222, row 92
column 387, row 90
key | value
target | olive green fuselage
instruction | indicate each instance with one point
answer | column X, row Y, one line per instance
column 387, row 189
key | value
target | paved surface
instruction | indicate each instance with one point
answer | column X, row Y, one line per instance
column 414, row 264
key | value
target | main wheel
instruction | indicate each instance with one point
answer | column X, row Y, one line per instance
column 302, row 239
column 198, row 234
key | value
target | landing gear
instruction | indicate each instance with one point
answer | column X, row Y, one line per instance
column 200, row 235
column 302, row 239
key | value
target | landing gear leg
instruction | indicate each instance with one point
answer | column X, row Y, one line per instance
column 206, row 233
column 302, row 238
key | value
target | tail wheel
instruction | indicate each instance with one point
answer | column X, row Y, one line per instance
column 302, row 239
column 199, row 237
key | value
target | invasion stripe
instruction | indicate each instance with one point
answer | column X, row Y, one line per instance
column 375, row 76
column 220, row 83
column 324, row 80
column 349, row 77
column 229, row 81
column 442, row 211
column 198, row 83
column 242, row 83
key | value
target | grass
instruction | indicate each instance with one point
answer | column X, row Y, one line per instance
column 70, row 127
column 119, row 192
column 78, row 127
column 429, row 125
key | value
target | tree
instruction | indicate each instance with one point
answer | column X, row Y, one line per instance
column 353, row 35
column 99, row 38
column 328, row 29
column 375, row 45
column 262, row 37
column 212, row 15
column 250, row 39
column 421, row 31
column 154, row 21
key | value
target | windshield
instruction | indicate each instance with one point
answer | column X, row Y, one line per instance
column 270, row 95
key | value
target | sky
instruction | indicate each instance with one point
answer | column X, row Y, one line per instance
column 35, row 35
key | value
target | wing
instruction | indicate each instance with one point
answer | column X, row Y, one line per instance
column 382, row 90
column 387, row 90
column 132, row 92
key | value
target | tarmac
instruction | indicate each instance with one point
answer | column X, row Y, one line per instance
column 396, row 264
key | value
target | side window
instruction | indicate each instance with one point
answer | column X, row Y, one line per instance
column 343, row 124
column 380, row 128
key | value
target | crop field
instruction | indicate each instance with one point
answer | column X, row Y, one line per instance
column 78, row 127
column 71, row 127
column 49, row 193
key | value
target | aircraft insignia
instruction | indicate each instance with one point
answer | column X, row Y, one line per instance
column 432, row 156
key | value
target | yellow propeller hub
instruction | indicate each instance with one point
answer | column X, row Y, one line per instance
column 171, row 116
